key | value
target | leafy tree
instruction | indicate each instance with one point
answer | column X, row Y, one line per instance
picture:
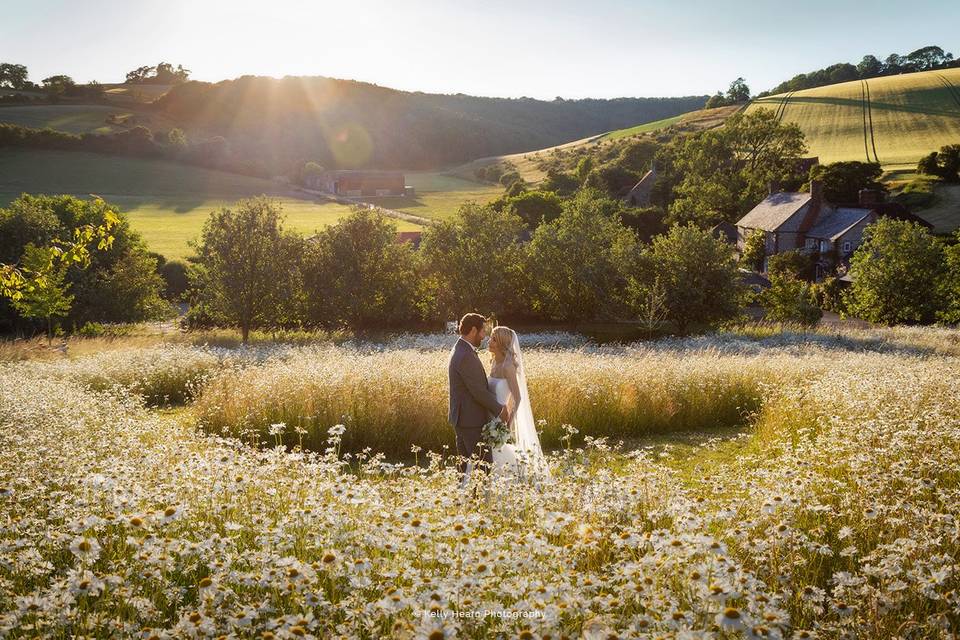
column 13, row 76
column 898, row 271
column 789, row 299
column 944, row 164
column 611, row 179
column 699, row 275
column 584, row 167
column 951, row 311
column 754, row 250
column 560, row 183
column 58, row 85
column 716, row 100
column 356, row 274
column 929, row 57
column 535, row 207
column 49, row 299
column 842, row 181
column 579, row 263
column 869, row 67
column 139, row 75
column 645, row 222
column 794, row 263
column 175, row 279
column 738, row 91
column 474, row 262
column 726, row 171
column 244, row 256
column 637, row 155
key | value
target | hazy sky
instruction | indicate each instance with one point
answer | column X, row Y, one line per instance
column 574, row 49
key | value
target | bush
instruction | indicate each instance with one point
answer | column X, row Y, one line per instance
column 176, row 282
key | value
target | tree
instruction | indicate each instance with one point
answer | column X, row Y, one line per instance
column 48, row 299
column 929, row 57
column 951, row 311
column 356, row 275
column 637, row 155
column 754, row 250
column 738, row 91
column 579, row 263
column 944, row 164
column 560, row 183
column 13, row 76
column 58, row 85
column 63, row 224
column 842, row 181
column 611, row 179
column 716, row 100
column 724, row 172
column 535, row 207
column 243, row 253
column 898, row 273
column 474, row 262
column 869, row 67
column 176, row 139
column 789, row 299
column 698, row 273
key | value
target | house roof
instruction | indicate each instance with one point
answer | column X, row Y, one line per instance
column 775, row 210
column 725, row 231
column 835, row 222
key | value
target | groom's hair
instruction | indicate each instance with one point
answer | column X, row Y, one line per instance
column 469, row 321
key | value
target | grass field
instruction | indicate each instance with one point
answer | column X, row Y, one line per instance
column 892, row 120
column 166, row 202
column 439, row 195
column 73, row 118
column 944, row 215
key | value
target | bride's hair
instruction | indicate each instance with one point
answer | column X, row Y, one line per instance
column 503, row 337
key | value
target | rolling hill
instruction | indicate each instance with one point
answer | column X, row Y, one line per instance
column 166, row 202
column 893, row 120
column 347, row 124
column 529, row 164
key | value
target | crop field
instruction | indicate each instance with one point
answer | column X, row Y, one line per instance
column 81, row 118
column 892, row 120
column 166, row 202
column 182, row 491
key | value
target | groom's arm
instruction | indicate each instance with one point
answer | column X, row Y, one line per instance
column 471, row 372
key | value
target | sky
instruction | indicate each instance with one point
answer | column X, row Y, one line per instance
column 509, row 48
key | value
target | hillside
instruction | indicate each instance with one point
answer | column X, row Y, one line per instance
column 531, row 164
column 893, row 120
column 166, row 202
column 353, row 124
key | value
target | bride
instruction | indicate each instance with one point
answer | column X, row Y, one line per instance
column 523, row 459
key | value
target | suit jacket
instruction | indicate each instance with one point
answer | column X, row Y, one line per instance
column 471, row 401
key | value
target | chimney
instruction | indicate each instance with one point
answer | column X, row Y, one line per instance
column 869, row 197
column 816, row 191
column 813, row 212
column 773, row 187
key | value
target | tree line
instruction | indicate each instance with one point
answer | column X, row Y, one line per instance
column 922, row 59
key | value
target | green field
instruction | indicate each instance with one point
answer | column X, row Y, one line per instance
column 82, row 118
column 166, row 202
column 73, row 118
column 643, row 128
column 439, row 195
column 891, row 120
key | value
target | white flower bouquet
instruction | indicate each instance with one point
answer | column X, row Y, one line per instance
column 496, row 433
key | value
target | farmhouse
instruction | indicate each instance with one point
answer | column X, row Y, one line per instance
column 807, row 222
column 356, row 184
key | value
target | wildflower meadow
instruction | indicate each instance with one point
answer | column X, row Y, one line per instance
column 751, row 484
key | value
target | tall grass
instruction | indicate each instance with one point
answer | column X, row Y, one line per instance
column 394, row 399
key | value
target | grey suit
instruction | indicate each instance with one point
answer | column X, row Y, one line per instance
column 472, row 404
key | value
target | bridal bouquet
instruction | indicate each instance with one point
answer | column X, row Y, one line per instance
column 496, row 433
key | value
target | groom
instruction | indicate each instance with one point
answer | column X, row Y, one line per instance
column 472, row 404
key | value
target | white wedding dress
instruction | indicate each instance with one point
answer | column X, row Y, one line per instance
column 522, row 458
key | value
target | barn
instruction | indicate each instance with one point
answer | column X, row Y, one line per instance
column 357, row 184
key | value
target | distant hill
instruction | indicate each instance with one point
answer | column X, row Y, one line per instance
column 893, row 120
column 345, row 123
column 532, row 164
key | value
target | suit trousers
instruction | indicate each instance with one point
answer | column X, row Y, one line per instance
column 470, row 444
